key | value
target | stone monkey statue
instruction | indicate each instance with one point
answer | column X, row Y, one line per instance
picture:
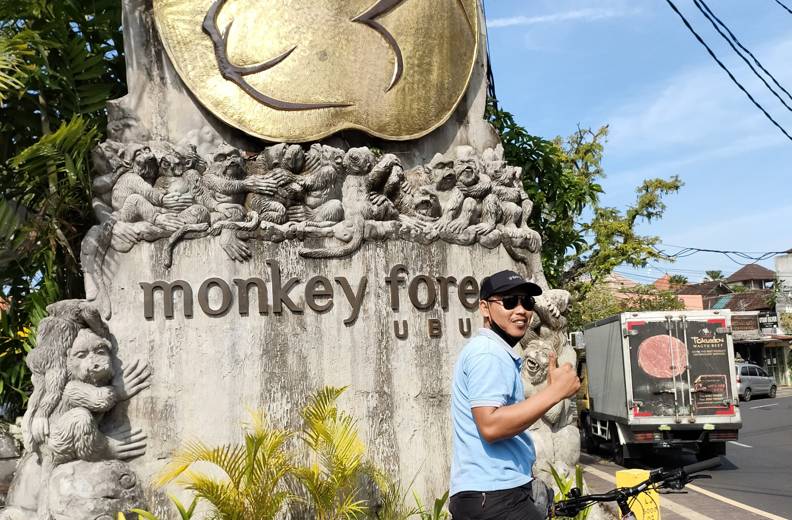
column 481, row 207
column 556, row 437
column 224, row 189
column 47, row 363
column 363, row 178
column 135, row 198
column 280, row 164
column 320, row 186
column 71, row 366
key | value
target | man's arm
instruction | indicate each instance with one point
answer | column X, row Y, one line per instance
column 496, row 424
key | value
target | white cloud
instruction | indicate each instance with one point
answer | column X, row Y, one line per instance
column 701, row 106
column 581, row 14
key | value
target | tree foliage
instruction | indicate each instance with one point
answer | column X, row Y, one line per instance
column 60, row 61
column 562, row 178
column 714, row 275
column 650, row 298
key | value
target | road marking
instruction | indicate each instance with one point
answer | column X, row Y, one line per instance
column 735, row 504
column 763, row 406
column 740, row 444
column 682, row 511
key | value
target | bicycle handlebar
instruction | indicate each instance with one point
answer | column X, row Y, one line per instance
column 674, row 479
column 702, row 466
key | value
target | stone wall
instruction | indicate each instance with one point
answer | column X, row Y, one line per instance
column 207, row 370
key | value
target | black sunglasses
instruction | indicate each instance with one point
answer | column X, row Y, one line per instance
column 510, row 302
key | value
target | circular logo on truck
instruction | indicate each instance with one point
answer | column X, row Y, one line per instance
column 299, row 70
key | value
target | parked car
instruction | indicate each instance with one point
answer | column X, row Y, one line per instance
column 753, row 380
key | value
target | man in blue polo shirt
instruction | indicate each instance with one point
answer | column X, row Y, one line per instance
column 493, row 451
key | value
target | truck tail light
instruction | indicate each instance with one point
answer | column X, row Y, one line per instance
column 723, row 435
column 648, row 436
column 738, row 379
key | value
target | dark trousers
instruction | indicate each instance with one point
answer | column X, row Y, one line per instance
column 506, row 504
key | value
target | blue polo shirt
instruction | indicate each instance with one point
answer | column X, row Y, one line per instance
column 487, row 373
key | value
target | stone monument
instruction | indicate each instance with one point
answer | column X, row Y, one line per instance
column 293, row 194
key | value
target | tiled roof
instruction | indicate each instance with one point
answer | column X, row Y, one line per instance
column 751, row 272
column 744, row 301
column 618, row 281
column 663, row 283
column 712, row 288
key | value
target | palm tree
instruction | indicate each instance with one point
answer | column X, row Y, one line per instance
column 249, row 486
column 336, row 457
column 714, row 276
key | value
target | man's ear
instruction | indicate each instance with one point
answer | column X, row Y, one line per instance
column 484, row 309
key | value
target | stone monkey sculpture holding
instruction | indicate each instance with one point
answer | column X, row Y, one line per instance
column 47, row 363
column 279, row 164
column 135, row 198
column 71, row 368
column 364, row 181
column 320, row 187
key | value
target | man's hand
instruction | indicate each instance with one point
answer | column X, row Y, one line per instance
column 563, row 380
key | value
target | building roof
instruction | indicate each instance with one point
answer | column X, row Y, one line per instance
column 663, row 283
column 751, row 272
column 711, row 288
column 617, row 281
column 744, row 301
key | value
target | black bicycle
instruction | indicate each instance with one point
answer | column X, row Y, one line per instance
column 675, row 479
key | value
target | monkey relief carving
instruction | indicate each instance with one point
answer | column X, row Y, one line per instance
column 75, row 383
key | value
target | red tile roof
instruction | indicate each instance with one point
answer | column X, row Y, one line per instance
column 663, row 283
column 751, row 272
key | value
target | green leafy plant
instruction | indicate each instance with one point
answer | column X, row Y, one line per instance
column 565, row 486
column 437, row 513
column 185, row 514
column 392, row 504
column 60, row 62
column 336, row 457
column 249, row 487
column 739, row 288
column 562, row 179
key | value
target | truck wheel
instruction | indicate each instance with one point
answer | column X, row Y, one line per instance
column 618, row 447
column 590, row 444
column 747, row 395
column 710, row 451
column 772, row 393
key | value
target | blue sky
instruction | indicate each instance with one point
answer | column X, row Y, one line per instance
column 633, row 65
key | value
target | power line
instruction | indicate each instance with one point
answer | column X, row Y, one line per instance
column 684, row 20
column 734, row 38
column 690, row 251
column 785, row 7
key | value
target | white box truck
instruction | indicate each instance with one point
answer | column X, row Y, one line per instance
column 660, row 380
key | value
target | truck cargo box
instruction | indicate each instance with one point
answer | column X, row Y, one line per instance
column 664, row 371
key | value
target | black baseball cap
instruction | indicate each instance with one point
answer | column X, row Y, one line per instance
column 505, row 281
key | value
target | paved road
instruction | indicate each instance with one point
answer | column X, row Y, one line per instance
column 759, row 473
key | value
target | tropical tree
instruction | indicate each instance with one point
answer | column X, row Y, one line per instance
column 677, row 281
column 249, row 485
column 650, row 298
column 714, row 276
column 562, row 178
column 60, row 61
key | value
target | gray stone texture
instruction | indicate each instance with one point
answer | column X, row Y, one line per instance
column 208, row 370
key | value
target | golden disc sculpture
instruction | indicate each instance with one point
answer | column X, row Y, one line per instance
column 300, row 70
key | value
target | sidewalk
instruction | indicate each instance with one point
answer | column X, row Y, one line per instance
column 599, row 475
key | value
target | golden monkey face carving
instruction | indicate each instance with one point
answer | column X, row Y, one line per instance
column 299, row 70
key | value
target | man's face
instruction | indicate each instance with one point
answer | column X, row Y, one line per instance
column 515, row 321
